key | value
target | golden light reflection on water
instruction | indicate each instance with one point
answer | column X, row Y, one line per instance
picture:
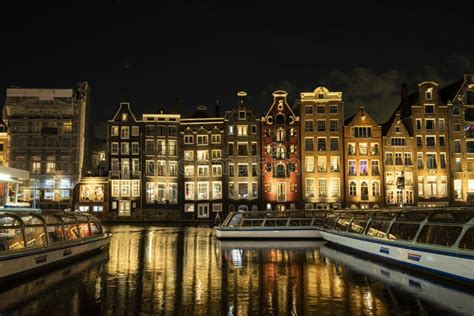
column 173, row 270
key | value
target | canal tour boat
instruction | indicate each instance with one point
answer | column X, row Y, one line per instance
column 271, row 225
column 437, row 241
column 31, row 239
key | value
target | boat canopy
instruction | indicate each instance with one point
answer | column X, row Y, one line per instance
column 271, row 219
column 20, row 230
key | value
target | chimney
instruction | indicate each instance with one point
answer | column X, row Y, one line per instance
column 404, row 93
column 217, row 108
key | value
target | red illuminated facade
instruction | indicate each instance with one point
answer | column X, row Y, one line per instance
column 280, row 129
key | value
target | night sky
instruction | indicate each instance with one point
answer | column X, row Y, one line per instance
column 202, row 51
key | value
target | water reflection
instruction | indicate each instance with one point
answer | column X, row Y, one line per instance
column 173, row 270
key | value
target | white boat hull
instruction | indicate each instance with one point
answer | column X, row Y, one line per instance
column 32, row 259
column 455, row 266
column 267, row 233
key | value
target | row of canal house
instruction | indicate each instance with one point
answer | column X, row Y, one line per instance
column 166, row 167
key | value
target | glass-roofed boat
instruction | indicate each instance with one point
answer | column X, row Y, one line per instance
column 271, row 225
column 31, row 239
column 438, row 241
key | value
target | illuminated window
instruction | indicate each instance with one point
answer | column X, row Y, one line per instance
column 188, row 155
column 124, row 208
column 67, row 127
column 217, row 170
column 217, row 190
column 322, row 188
column 309, row 188
column 135, row 188
column 202, row 155
column 135, row 149
column 124, row 132
column 135, row 131
column 243, row 190
column 216, row 153
column 125, row 188
column 114, row 148
column 124, row 148
column 124, row 116
column 322, row 164
column 376, row 188
column 172, row 147
column 242, row 130
column 203, row 190
column 309, row 164
column 189, row 208
column 203, row 211
column 114, row 131
column 334, row 164
column 203, row 171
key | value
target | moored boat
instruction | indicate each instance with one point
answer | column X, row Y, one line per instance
column 437, row 241
column 271, row 225
column 31, row 240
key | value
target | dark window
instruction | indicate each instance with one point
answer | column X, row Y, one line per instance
column 439, row 235
column 321, row 109
column 322, row 144
column 333, row 109
column 429, row 124
column 254, row 149
column 403, row 231
column 430, row 141
column 419, row 141
column 308, row 126
column 469, row 114
column 429, row 109
column 442, row 141
column 334, row 144
column 254, row 129
column 378, row 229
column 150, row 130
column 280, row 119
column 418, row 124
column 457, row 146
column 469, row 98
column 280, row 171
column 230, row 149
column 308, row 109
column 469, row 146
column 330, row 222
column 467, row 241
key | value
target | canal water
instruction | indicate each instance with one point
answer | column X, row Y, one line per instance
column 186, row 271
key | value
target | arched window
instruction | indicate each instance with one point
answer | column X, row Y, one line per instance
column 269, row 149
column 292, row 132
column 364, row 190
column 352, row 188
column 280, row 135
column 280, row 119
column 254, row 208
column 281, row 171
column 292, row 206
column 292, row 149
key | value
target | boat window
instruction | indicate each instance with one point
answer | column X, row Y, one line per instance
column 96, row 229
column 235, row 221
column 452, row 217
column 71, row 232
column 68, row 219
column 439, row 235
column 467, row 241
column 35, row 236
column 319, row 222
column 11, row 235
column 300, row 222
column 330, row 221
column 252, row 222
column 55, row 233
column 378, row 229
column 51, row 219
column 84, row 230
column 403, row 231
column 342, row 224
column 358, row 226
column 412, row 216
column 31, row 220
column 384, row 216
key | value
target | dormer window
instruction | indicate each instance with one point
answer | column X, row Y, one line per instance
column 397, row 129
column 429, row 109
column 429, row 94
column 124, row 117
column 242, row 115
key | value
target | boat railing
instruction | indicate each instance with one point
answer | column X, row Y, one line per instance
column 274, row 219
column 19, row 230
